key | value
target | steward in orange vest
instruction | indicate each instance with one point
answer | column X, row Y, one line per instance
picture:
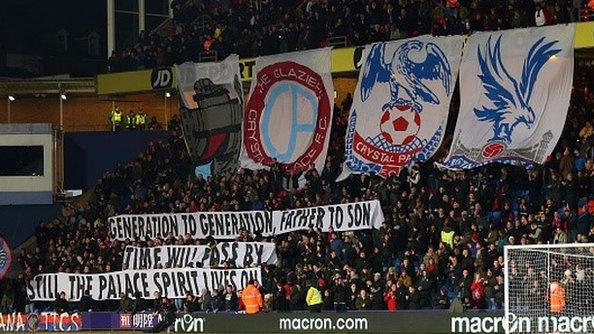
column 251, row 298
column 557, row 297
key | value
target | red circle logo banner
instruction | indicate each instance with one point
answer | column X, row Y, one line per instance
column 267, row 77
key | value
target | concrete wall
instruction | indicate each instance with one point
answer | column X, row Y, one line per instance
column 28, row 189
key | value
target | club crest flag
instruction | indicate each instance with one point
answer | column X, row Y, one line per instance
column 5, row 257
column 401, row 103
column 515, row 87
column 289, row 112
column 211, row 109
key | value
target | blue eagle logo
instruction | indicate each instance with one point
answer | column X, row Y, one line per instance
column 5, row 257
column 435, row 66
column 510, row 98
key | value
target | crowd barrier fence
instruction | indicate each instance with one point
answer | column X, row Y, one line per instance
column 421, row 321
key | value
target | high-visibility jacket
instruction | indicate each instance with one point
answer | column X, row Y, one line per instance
column 139, row 119
column 252, row 299
column 131, row 121
column 557, row 297
column 448, row 238
column 116, row 117
column 314, row 297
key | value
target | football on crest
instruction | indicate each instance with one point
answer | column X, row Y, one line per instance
column 399, row 125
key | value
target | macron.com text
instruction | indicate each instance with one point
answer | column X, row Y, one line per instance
column 317, row 324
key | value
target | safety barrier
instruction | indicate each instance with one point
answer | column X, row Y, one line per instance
column 421, row 321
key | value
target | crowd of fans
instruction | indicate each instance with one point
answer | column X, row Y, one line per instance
column 262, row 27
column 406, row 264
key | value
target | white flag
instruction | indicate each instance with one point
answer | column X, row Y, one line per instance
column 401, row 103
column 289, row 111
column 211, row 112
column 515, row 87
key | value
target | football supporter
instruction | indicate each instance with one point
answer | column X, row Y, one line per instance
column 404, row 264
column 252, row 28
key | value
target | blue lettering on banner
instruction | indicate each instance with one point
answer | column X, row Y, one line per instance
column 297, row 92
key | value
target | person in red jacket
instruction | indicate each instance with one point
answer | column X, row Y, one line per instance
column 477, row 289
column 390, row 298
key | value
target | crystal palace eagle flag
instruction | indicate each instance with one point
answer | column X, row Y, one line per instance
column 515, row 87
column 5, row 257
column 401, row 103
column 289, row 112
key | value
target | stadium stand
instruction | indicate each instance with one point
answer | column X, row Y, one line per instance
column 204, row 32
column 407, row 264
column 442, row 243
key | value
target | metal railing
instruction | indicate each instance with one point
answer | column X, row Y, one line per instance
column 87, row 128
column 58, row 167
column 338, row 41
column 203, row 22
column 168, row 25
column 101, row 127
column 207, row 56
column 165, row 29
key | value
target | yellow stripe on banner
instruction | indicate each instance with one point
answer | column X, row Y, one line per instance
column 346, row 59
column 135, row 81
column 584, row 35
column 124, row 82
column 246, row 68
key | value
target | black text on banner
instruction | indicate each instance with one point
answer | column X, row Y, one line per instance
column 172, row 283
column 226, row 225
column 241, row 254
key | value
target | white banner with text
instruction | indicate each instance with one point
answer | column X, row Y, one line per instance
column 226, row 225
column 172, row 283
column 240, row 254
